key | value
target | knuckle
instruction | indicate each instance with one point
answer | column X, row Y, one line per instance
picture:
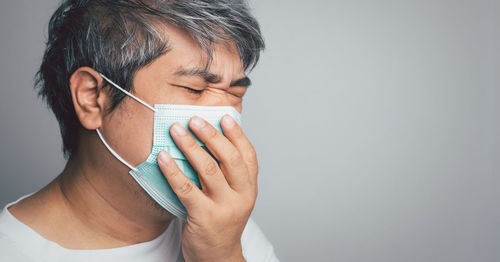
column 234, row 159
column 253, row 159
column 186, row 187
column 251, row 194
column 173, row 173
column 191, row 144
column 211, row 133
column 252, row 152
column 211, row 168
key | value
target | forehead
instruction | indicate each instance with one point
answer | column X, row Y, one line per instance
column 185, row 53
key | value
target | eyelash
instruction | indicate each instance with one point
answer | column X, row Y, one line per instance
column 198, row 92
column 194, row 91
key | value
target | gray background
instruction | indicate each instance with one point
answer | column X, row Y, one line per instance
column 376, row 124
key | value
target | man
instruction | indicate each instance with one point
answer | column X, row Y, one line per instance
column 106, row 63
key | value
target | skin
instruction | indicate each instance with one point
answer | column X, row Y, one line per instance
column 95, row 204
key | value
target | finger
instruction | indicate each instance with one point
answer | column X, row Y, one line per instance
column 235, row 134
column 207, row 168
column 230, row 159
column 187, row 192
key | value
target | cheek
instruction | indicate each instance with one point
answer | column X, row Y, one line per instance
column 129, row 130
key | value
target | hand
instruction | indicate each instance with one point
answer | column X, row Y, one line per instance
column 218, row 213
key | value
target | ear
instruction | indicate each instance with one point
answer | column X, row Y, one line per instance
column 88, row 97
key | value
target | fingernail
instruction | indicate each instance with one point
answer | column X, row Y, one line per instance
column 228, row 121
column 163, row 157
column 178, row 129
column 197, row 122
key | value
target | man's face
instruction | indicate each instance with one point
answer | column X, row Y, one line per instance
column 168, row 80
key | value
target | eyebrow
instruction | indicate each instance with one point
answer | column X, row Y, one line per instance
column 211, row 77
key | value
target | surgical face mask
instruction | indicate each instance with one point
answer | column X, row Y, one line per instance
column 148, row 173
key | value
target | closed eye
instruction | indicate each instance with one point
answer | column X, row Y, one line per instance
column 192, row 90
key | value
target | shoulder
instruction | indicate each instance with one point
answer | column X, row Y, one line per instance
column 256, row 247
column 14, row 236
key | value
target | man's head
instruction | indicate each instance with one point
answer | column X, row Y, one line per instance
column 154, row 48
column 164, row 52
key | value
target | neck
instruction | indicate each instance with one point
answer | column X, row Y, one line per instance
column 90, row 210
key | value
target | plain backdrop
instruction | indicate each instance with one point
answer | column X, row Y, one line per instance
column 376, row 125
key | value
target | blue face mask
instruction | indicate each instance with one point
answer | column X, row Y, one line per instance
column 148, row 173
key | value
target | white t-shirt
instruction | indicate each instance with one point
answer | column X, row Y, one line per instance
column 18, row 242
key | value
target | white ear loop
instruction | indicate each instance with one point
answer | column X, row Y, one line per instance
column 128, row 93
column 99, row 133
column 114, row 153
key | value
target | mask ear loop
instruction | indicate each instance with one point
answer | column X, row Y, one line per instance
column 128, row 93
column 114, row 153
column 99, row 133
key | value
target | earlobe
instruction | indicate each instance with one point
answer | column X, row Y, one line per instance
column 88, row 99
